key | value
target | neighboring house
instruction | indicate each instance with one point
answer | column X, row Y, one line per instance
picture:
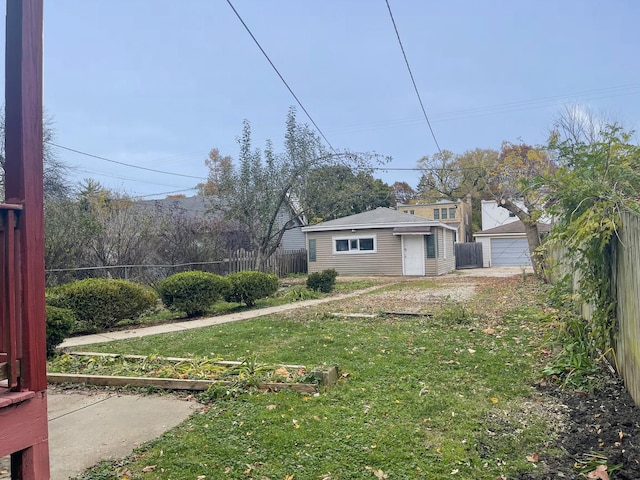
column 381, row 242
column 496, row 216
column 210, row 206
column 453, row 213
column 503, row 237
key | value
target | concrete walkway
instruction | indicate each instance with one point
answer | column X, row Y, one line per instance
column 204, row 322
column 86, row 428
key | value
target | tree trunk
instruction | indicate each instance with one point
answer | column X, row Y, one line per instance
column 533, row 238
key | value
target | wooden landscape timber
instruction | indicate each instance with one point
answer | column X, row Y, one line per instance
column 325, row 376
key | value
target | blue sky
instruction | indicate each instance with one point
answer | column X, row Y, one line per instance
column 158, row 83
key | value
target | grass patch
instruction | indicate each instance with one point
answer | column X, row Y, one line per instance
column 438, row 397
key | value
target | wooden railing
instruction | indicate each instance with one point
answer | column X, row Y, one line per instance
column 10, row 328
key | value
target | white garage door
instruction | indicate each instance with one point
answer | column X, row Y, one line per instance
column 509, row 252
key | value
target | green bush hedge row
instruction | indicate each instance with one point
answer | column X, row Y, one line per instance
column 98, row 304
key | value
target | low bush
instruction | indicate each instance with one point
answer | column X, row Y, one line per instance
column 247, row 287
column 323, row 281
column 60, row 323
column 192, row 292
column 100, row 303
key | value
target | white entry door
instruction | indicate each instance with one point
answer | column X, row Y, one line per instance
column 413, row 254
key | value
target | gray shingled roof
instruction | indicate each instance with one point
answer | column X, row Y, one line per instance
column 381, row 217
column 195, row 207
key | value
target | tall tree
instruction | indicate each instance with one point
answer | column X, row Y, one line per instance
column 219, row 167
column 452, row 177
column 518, row 183
column 263, row 192
column 402, row 192
column 335, row 191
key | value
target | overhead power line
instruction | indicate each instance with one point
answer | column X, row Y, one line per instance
column 406, row 61
column 281, row 77
column 123, row 163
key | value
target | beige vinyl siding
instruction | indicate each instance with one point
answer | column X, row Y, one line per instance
column 441, row 265
column 387, row 260
column 448, row 264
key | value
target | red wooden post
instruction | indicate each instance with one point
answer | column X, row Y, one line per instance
column 23, row 429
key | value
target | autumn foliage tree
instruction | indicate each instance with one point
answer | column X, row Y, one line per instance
column 518, row 183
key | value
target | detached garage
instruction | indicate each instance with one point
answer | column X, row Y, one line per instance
column 506, row 245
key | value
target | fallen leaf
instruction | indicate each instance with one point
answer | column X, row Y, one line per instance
column 201, row 477
column 495, row 399
column 488, row 331
column 288, row 477
column 600, row 472
column 620, row 434
column 227, row 469
column 533, row 458
column 379, row 474
column 283, row 372
column 149, row 468
column 271, row 407
column 471, row 350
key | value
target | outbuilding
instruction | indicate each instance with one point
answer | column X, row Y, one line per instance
column 383, row 241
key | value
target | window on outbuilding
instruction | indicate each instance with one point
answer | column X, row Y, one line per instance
column 312, row 249
column 342, row 245
column 354, row 244
column 432, row 245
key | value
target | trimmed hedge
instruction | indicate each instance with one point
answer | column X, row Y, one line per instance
column 323, row 281
column 192, row 292
column 100, row 303
column 60, row 323
column 249, row 286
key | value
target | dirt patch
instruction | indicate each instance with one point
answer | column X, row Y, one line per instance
column 601, row 427
column 417, row 299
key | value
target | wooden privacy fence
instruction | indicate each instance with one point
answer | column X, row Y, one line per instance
column 468, row 255
column 625, row 282
column 280, row 263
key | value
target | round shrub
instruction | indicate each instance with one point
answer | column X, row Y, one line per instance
column 60, row 322
column 192, row 292
column 100, row 303
column 323, row 281
column 247, row 287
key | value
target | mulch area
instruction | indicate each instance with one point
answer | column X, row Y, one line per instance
column 601, row 427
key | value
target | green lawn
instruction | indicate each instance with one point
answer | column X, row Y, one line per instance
column 448, row 396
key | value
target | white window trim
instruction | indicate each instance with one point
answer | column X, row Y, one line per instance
column 354, row 237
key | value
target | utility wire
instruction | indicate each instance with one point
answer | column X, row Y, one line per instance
column 281, row 77
column 166, row 193
column 424, row 112
column 123, row 163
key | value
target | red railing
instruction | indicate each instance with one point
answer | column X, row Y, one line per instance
column 10, row 326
